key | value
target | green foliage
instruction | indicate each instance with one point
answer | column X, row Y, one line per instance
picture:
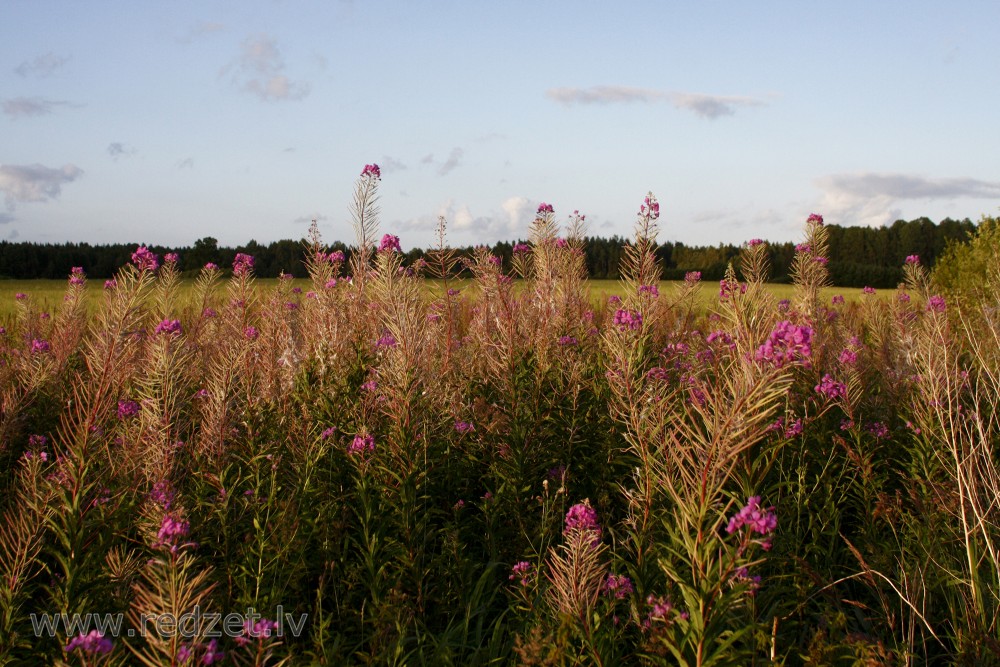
column 969, row 270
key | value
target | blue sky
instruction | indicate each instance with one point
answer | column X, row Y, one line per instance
column 167, row 122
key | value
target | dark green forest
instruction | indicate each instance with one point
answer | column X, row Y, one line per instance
column 859, row 256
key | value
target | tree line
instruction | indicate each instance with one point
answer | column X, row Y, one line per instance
column 858, row 256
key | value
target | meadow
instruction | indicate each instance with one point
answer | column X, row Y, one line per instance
column 384, row 465
column 47, row 295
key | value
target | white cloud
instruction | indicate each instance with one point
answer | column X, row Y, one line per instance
column 259, row 70
column 117, row 149
column 390, row 164
column 873, row 199
column 510, row 220
column 42, row 66
column 453, row 161
column 34, row 182
column 307, row 219
column 704, row 105
column 31, row 106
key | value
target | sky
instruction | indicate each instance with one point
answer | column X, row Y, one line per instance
column 167, row 122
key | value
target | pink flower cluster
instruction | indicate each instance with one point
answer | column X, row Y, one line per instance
column 649, row 290
column 38, row 346
column 389, row 243
column 583, row 517
column 628, row 320
column 814, row 219
column 92, row 642
column 210, row 653
column 913, row 259
column 172, row 533
column 521, row 248
column 650, row 207
column 787, row 344
column 371, row 171
column 171, row 258
column 618, row 586
column 169, row 327
column 692, row 276
column 262, row 629
column 831, row 388
column 144, row 259
column 76, row 276
column 936, row 304
column 521, row 572
column 388, row 340
column 464, row 427
column 760, row 521
column 242, row 264
column 361, row 444
column 127, row 409
column 544, row 208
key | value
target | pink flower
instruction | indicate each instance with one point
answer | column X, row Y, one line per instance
column 692, row 276
column 386, row 341
column 389, row 243
column 171, row 258
column 144, row 259
column 172, row 532
column 837, row 300
column 251, row 333
column 76, row 276
column 936, row 304
column 831, row 388
column 521, row 249
column 464, row 427
column 242, row 264
column 544, row 208
column 211, row 266
column 618, row 586
column 848, row 357
column 787, row 344
column 760, row 521
column 650, row 207
column 628, row 320
column 583, row 517
column 913, row 259
column 868, row 290
column 127, row 409
column 371, row 171
column 169, row 326
column 92, row 642
column 361, row 444
column 814, row 219
column 753, row 243
column 521, row 572
column 39, row 346
column 649, row 290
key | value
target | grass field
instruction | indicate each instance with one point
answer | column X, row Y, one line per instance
column 46, row 295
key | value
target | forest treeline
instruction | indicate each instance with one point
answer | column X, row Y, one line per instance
column 858, row 256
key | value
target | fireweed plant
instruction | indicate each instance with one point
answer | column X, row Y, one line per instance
column 502, row 472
